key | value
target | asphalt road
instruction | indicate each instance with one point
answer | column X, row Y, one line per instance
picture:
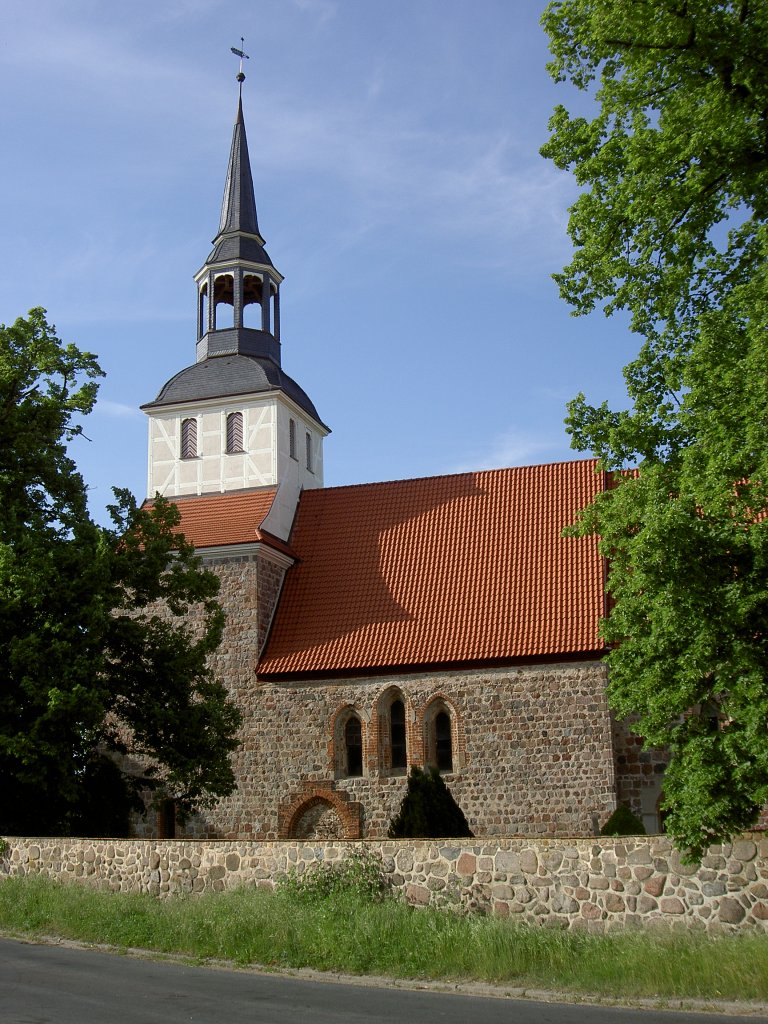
column 43, row 984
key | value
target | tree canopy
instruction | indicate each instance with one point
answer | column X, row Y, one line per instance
column 671, row 225
column 104, row 632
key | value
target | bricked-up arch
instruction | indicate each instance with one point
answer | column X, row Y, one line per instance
column 317, row 820
column 440, row 715
column 313, row 795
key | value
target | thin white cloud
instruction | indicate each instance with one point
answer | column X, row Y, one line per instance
column 103, row 60
column 367, row 168
column 321, row 9
column 91, row 55
column 386, row 158
column 481, row 189
column 554, row 395
column 514, row 448
column 117, row 410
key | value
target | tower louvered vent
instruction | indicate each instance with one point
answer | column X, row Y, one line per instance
column 234, row 432
column 189, row 439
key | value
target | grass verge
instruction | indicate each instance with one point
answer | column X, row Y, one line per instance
column 340, row 932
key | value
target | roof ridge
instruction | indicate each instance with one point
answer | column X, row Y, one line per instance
column 469, row 472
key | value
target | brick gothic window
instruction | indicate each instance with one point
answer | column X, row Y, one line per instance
column 443, row 742
column 353, row 745
column 234, row 432
column 397, row 734
column 189, row 439
column 292, row 439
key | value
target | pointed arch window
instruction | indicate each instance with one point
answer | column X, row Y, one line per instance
column 234, row 433
column 397, row 735
column 353, row 746
column 310, row 465
column 441, row 731
column 443, row 742
column 292, row 439
column 189, row 438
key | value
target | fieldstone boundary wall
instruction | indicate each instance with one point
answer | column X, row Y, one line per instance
column 595, row 885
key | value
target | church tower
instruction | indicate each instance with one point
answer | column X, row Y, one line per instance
column 234, row 420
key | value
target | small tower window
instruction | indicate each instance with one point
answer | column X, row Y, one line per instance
column 189, row 438
column 397, row 734
column 234, row 432
column 353, row 744
column 308, row 439
column 292, row 439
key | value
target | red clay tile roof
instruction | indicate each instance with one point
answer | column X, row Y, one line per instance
column 442, row 570
column 213, row 519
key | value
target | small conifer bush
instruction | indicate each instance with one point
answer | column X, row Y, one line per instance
column 428, row 810
column 623, row 823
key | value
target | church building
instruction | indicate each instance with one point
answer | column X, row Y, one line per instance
column 440, row 621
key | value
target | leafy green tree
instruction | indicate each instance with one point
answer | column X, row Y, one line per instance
column 104, row 633
column 428, row 809
column 671, row 226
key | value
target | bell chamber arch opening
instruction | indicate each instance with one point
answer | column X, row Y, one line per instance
column 224, row 301
column 252, row 296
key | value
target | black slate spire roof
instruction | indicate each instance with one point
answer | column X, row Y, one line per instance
column 236, row 360
column 238, row 207
column 239, row 236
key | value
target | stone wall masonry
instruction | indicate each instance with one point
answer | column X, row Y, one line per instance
column 249, row 587
column 532, row 750
column 596, row 885
column 639, row 775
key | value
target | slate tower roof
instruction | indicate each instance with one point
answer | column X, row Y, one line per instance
column 232, row 358
column 238, row 236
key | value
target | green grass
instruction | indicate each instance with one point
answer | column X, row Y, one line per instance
column 335, row 932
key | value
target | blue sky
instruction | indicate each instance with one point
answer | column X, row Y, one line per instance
column 399, row 187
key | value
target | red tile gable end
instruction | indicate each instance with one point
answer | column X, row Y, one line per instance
column 211, row 520
column 440, row 570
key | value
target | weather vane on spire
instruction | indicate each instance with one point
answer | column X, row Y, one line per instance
column 239, row 53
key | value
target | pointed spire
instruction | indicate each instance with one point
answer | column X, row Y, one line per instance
column 238, row 272
column 238, row 208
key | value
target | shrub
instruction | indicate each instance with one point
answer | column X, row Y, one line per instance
column 360, row 876
column 623, row 823
column 428, row 810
